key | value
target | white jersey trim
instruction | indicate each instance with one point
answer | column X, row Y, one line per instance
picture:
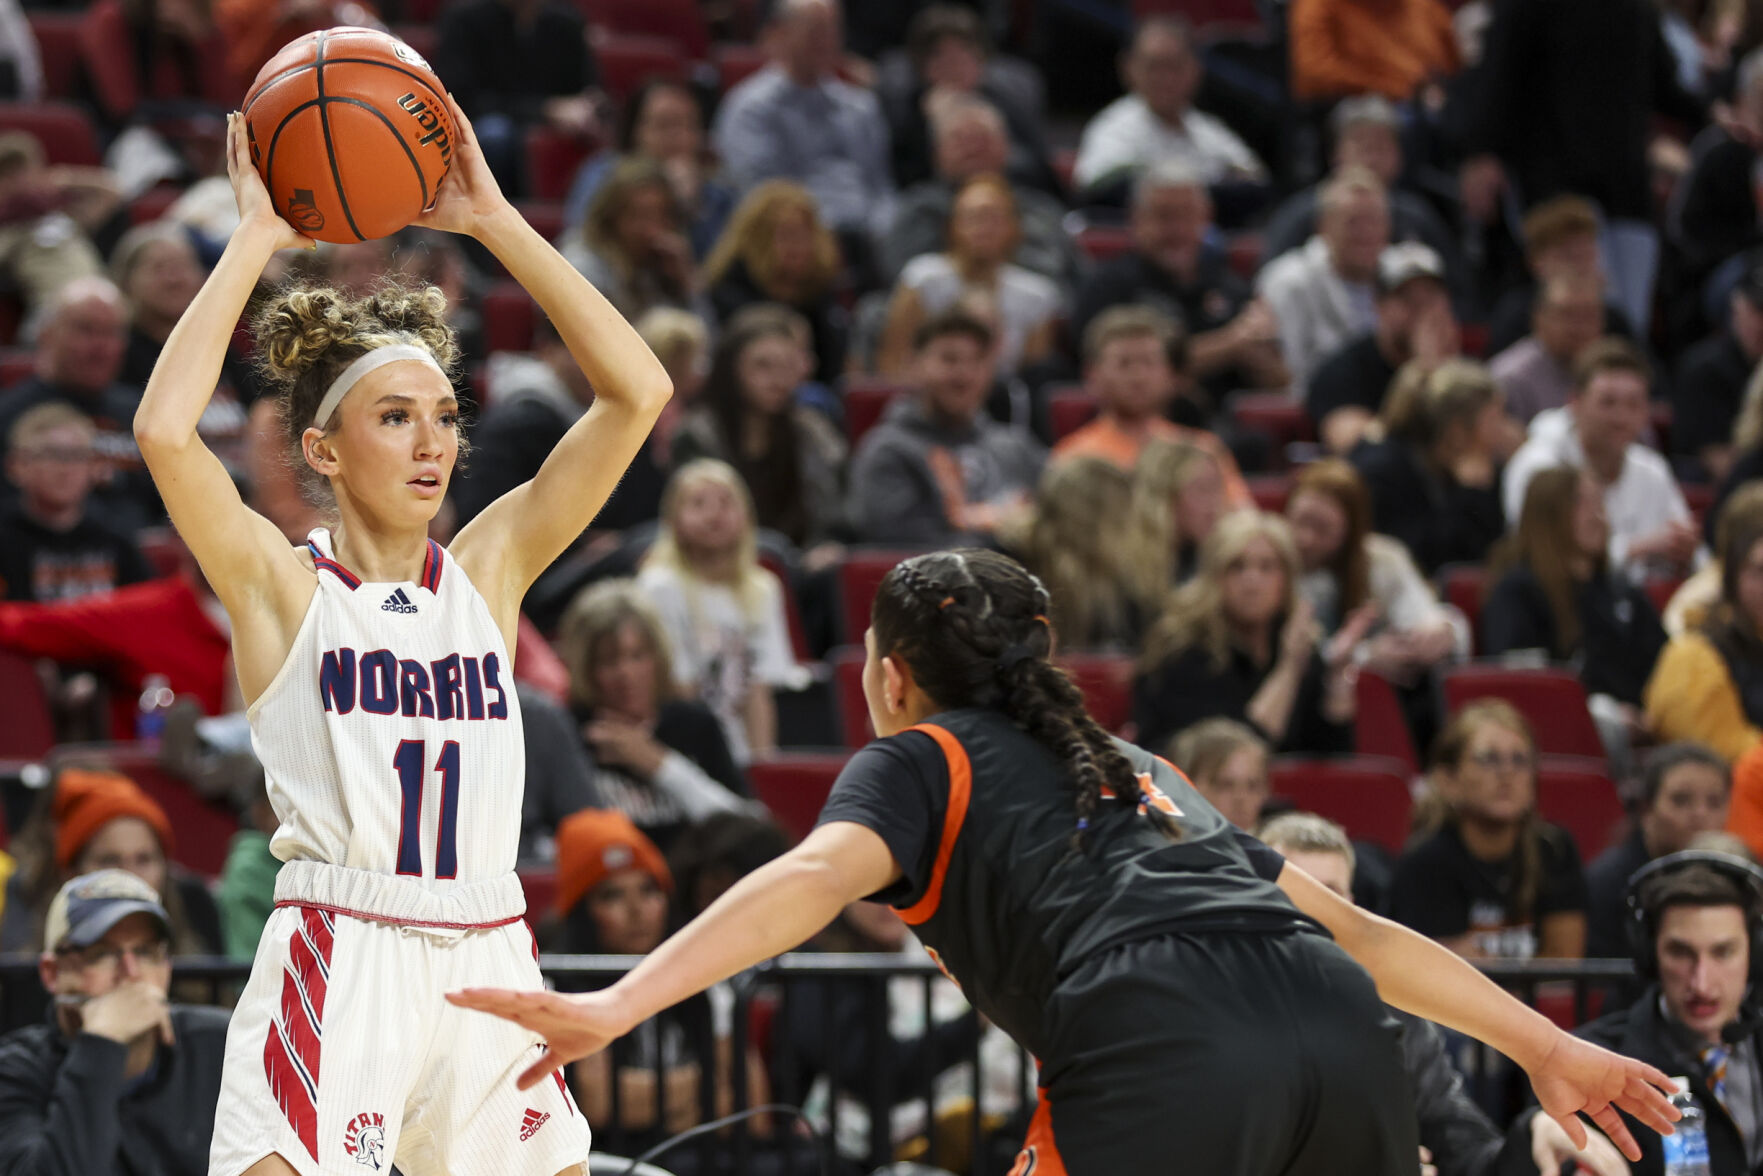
column 390, row 898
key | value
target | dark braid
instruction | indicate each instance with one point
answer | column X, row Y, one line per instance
column 973, row 627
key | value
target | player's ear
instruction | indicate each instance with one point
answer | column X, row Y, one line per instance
column 896, row 683
column 320, row 454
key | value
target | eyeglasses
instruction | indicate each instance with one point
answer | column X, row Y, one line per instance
column 1493, row 761
column 110, row 958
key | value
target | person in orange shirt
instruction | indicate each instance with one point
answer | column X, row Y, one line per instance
column 1388, row 47
column 1133, row 364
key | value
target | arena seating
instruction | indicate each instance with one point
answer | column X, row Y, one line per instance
column 1368, row 795
column 1552, row 699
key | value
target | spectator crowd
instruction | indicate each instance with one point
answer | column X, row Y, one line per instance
column 1379, row 393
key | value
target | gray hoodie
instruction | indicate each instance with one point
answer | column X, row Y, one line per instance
column 895, row 494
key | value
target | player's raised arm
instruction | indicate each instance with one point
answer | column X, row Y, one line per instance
column 1419, row 976
column 236, row 547
column 516, row 537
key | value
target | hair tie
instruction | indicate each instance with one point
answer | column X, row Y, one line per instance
column 1043, row 620
column 1083, row 824
column 947, row 601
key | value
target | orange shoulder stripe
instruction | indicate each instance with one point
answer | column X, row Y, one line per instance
column 960, row 792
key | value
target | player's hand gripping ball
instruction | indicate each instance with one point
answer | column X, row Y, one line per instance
column 349, row 129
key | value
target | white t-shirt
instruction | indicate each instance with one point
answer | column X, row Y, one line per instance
column 1125, row 136
column 1026, row 300
column 719, row 650
column 1640, row 502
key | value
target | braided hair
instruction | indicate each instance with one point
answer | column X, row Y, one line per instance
column 972, row 626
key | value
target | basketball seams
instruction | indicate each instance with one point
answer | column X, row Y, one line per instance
column 396, row 134
column 330, row 149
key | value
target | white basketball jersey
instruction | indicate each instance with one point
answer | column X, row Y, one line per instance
column 391, row 737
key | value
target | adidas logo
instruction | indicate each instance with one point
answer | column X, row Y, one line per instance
column 530, row 1123
column 397, row 602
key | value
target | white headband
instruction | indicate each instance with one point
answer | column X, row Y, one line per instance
column 379, row 357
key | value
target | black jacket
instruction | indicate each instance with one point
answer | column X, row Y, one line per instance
column 1640, row 1032
column 1461, row 1137
column 1439, row 520
column 67, row 1110
column 1620, row 634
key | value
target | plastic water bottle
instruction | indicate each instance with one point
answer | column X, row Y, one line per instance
column 1686, row 1149
column 156, row 699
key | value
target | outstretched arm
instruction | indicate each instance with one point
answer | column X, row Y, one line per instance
column 243, row 555
column 775, row 908
column 518, row 536
column 1422, row 977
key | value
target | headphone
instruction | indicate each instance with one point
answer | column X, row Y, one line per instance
column 1642, row 928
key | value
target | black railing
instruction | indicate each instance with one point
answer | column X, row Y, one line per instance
column 808, row 1000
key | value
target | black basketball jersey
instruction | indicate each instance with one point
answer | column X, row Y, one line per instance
column 980, row 817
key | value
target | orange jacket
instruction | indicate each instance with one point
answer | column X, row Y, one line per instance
column 1388, row 47
column 1744, row 817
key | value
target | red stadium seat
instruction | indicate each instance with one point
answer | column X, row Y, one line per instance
column 540, row 885
column 15, row 364
column 1465, row 587
column 64, row 129
column 1069, row 409
column 1245, row 253
column 795, row 785
column 58, row 42
column 201, row 828
column 736, row 63
column 1106, row 682
column 679, row 21
column 29, row 730
column 1281, row 417
column 1380, row 728
column 859, row 576
column 1367, row 795
column 1699, row 497
column 1552, row 700
column 162, row 548
column 1474, row 338
column 627, row 61
column 1577, row 794
column 552, row 158
column 1660, row 590
column 866, row 398
column 792, row 610
column 1101, row 242
column 1270, row 491
column 152, row 204
column 1064, row 161
column 847, row 662
column 508, row 318
column 424, row 38
column 545, row 216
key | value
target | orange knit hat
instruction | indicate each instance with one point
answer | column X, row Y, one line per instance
column 86, row 801
column 594, row 844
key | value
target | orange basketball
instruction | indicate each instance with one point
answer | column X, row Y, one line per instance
column 350, row 131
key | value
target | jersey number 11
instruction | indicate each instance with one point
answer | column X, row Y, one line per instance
column 410, row 759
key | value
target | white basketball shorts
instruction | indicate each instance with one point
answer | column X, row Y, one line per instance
column 343, row 1056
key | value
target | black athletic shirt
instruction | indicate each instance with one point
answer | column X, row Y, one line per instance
column 979, row 817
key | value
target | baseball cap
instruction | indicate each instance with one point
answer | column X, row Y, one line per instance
column 1750, row 284
column 89, row 906
column 1374, row 109
column 1404, row 261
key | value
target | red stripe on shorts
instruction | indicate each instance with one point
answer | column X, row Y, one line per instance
column 291, row 1051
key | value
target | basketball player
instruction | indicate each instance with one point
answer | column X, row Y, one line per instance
column 1174, row 977
column 376, row 669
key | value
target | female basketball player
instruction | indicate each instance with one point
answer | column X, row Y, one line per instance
column 1093, row 905
column 377, row 672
